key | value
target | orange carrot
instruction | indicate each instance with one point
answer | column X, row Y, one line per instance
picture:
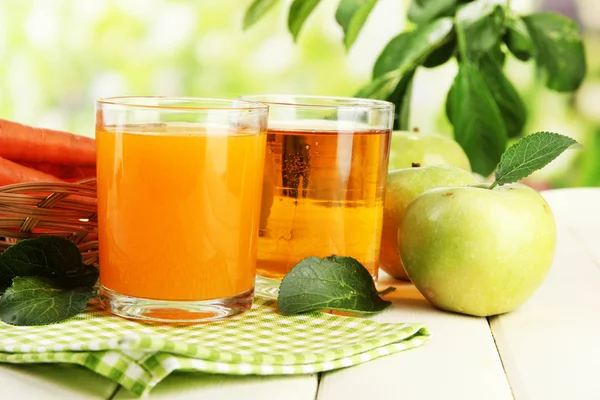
column 64, row 172
column 20, row 142
column 11, row 172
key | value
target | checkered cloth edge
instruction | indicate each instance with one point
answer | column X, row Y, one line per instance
column 261, row 341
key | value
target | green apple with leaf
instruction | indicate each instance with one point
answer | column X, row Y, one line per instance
column 484, row 249
column 402, row 187
column 408, row 148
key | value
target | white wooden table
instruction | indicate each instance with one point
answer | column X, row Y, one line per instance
column 547, row 349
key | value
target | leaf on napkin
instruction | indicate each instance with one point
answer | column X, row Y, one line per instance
column 36, row 301
column 46, row 256
column 330, row 283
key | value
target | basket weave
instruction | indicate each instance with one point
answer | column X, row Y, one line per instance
column 29, row 210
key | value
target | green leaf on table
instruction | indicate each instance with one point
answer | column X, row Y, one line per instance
column 36, row 301
column 479, row 27
column 331, row 283
column 299, row 12
column 558, row 50
column 529, row 154
column 47, row 256
column 477, row 121
column 423, row 11
column 351, row 15
column 517, row 38
column 256, row 11
column 511, row 105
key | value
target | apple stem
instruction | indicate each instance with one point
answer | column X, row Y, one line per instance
column 386, row 291
column 493, row 185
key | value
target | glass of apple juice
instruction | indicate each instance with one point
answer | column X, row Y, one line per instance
column 179, row 184
column 324, row 180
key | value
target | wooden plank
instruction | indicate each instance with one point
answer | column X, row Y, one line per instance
column 53, row 381
column 550, row 345
column 578, row 210
column 459, row 362
column 195, row 385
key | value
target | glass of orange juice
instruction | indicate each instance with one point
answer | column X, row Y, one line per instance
column 325, row 174
column 179, row 186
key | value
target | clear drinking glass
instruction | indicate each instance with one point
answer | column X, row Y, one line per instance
column 324, row 184
column 179, row 186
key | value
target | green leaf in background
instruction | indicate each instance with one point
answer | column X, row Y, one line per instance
column 558, row 50
column 381, row 87
column 517, row 38
column 529, row 154
column 479, row 27
column 299, row 12
column 511, row 105
column 35, row 301
column 477, row 121
column 589, row 167
column 331, row 283
column 402, row 55
column 496, row 54
column 442, row 54
column 423, row 11
column 48, row 256
column 351, row 16
column 401, row 97
column 409, row 49
column 256, row 11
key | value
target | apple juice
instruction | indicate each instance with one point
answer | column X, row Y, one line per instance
column 323, row 193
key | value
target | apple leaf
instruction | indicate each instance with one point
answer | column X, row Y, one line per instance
column 351, row 15
column 529, row 154
column 36, row 301
column 256, row 11
column 558, row 50
column 330, row 283
column 299, row 12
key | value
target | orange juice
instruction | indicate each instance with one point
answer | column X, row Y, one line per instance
column 178, row 210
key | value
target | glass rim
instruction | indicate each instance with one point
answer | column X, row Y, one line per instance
column 326, row 102
column 228, row 104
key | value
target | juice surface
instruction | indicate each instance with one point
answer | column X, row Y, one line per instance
column 178, row 211
column 323, row 194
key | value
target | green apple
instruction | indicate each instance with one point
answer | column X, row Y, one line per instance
column 478, row 251
column 426, row 149
column 403, row 186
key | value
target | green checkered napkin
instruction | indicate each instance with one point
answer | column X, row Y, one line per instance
column 261, row 341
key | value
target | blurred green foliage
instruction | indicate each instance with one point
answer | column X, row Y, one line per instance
column 58, row 56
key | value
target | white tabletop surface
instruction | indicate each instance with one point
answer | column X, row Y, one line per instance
column 547, row 349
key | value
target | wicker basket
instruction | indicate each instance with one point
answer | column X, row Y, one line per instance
column 28, row 210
